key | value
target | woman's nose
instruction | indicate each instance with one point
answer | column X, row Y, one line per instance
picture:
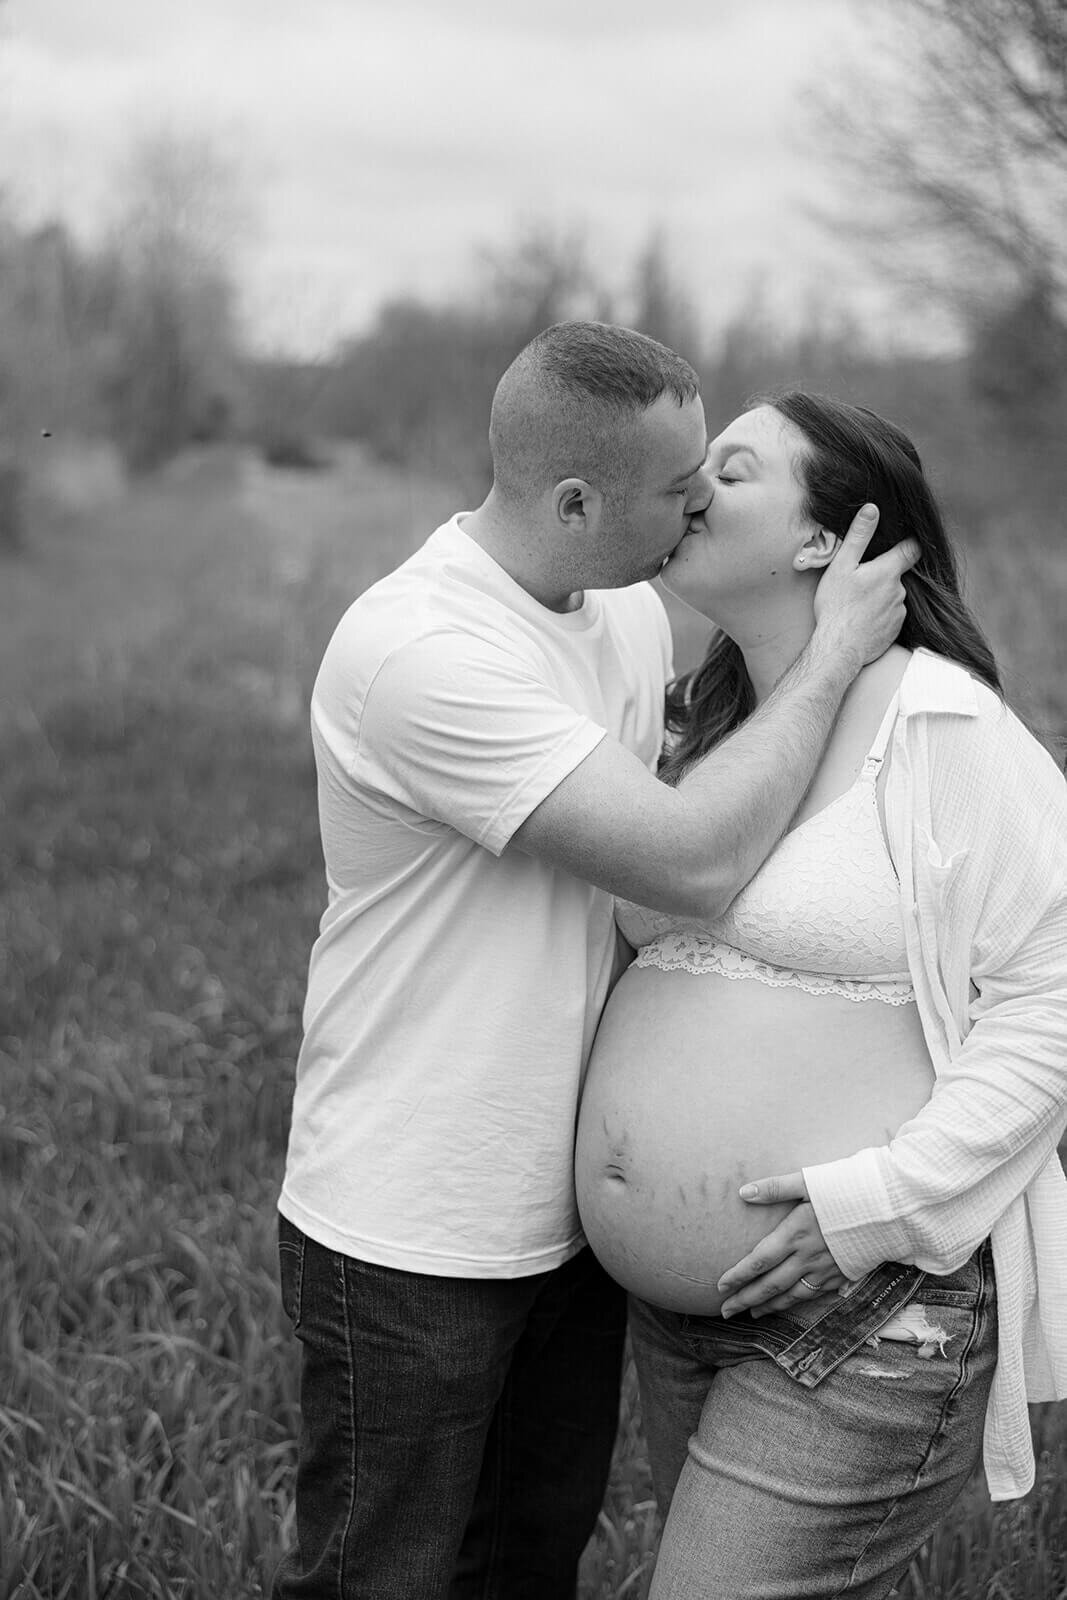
column 703, row 493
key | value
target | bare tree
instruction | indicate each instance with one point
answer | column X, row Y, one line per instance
column 541, row 278
column 954, row 134
column 661, row 307
column 182, row 205
column 181, row 213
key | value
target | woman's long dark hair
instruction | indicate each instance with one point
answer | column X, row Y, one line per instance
column 853, row 456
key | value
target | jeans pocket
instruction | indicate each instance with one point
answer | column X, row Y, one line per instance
column 968, row 1286
column 941, row 1350
column 292, row 1245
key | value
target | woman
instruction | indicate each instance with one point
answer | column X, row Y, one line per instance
column 880, row 1019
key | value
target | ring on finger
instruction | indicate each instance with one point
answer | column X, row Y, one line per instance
column 816, row 1288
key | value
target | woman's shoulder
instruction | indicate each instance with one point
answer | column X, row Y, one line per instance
column 957, row 699
column 932, row 683
column 976, row 741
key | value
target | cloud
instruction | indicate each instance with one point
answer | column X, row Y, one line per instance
column 381, row 140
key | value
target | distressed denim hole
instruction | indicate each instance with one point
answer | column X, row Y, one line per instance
column 912, row 1325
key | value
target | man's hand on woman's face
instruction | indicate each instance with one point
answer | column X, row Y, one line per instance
column 770, row 1277
column 860, row 608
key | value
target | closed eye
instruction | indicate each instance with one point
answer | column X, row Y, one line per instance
column 724, row 477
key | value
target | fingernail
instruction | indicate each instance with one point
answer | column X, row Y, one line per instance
column 748, row 1191
column 868, row 511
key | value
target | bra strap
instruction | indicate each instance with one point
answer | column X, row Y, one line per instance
column 876, row 753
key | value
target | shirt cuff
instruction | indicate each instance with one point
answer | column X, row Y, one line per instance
column 852, row 1206
column 560, row 762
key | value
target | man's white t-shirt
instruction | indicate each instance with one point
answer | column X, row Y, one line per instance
column 454, row 991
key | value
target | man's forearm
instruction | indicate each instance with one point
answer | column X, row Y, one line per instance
column 746, row 790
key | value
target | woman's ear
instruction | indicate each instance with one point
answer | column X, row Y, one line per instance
column 817, row 551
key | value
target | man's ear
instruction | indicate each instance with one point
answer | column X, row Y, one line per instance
column 817, row 551
column 577, row 505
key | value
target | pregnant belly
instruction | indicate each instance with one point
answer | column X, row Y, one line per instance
column 698, row 1083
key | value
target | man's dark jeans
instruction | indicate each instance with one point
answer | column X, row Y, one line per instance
column 456, row 1433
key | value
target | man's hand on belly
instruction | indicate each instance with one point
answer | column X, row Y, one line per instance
column 770, row 1277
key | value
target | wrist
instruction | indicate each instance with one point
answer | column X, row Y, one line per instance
column 833, row 650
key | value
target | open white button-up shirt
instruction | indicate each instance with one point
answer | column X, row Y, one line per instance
column 976, row 813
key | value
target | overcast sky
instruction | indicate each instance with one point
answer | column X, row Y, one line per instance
column 381, row 142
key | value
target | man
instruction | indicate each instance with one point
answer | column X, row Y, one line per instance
column 486, row 723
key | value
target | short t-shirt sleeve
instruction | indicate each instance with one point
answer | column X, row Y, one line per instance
column 464, row 732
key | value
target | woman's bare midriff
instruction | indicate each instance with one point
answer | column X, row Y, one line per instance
column 698, row 1083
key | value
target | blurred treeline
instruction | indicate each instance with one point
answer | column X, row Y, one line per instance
column 138, row 343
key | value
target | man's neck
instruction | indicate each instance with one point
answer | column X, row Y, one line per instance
column 515, row 550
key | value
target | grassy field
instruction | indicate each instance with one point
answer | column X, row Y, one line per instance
column 160, row 883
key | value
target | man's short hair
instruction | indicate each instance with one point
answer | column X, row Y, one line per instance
column 568, row 404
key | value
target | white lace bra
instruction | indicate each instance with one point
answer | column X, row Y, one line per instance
column 821, row 914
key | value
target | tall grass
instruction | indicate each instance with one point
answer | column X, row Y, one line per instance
column 160, row 884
